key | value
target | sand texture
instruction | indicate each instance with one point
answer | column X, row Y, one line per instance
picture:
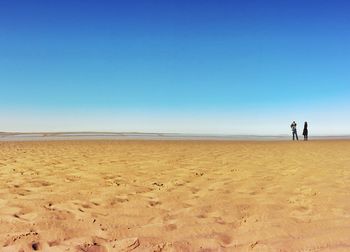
column 175, row 196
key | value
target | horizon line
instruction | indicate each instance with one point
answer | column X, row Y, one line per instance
column 159, row 133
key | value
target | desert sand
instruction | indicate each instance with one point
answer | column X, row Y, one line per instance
column 175, row 196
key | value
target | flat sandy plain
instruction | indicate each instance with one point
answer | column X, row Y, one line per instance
column 175, row 196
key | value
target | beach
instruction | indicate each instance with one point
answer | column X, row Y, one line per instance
column 181, row 195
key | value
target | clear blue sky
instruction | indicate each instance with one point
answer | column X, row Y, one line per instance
column 239, row 67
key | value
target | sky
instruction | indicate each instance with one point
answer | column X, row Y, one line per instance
column 216, row 67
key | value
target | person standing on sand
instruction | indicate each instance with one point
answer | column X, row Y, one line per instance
column 305, row 132
column 294, row 130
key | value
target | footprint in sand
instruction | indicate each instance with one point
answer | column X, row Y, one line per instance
column 201, row 216
column 122, row 199
column 153, row 203
column 72, row 178
column 23, row 242
column 127, row 244
column 194, row 190
column 200, row 174
column 224, row 239
column 170, row 227
column 219, row 220
column 301, row 202
column 20, row 191
column 92, row 247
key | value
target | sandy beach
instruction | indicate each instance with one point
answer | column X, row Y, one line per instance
column 175, row 196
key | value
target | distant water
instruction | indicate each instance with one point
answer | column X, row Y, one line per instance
column 45, row 136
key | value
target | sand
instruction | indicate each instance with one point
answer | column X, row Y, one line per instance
column 175, row 196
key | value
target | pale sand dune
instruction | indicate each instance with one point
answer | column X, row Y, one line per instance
column 175, row 196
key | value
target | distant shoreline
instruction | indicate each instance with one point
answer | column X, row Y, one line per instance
column 53, row 136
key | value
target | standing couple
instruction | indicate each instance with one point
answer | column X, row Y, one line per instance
column 294, row 131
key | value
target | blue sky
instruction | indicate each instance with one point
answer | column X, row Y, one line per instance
column 232, row 67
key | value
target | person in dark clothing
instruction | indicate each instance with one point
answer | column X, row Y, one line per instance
column 305, row 132
column 294, row 130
